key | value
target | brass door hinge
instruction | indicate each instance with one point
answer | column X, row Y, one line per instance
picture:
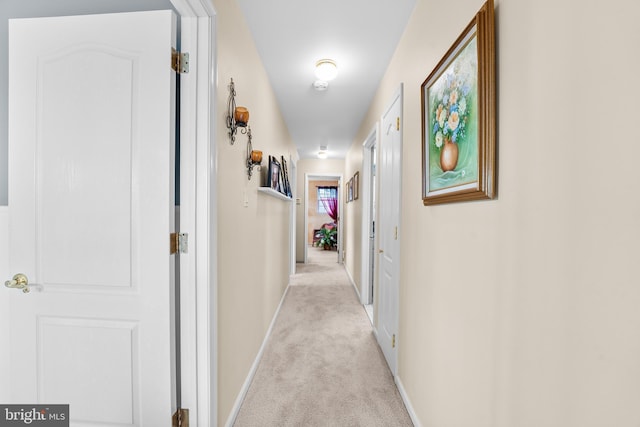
column 179, row 61
column 396, row 233
column 179, row 243
column 180, row 418
column 393, row 341
column 398, row 123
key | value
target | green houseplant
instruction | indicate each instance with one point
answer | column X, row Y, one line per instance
column 328, row 238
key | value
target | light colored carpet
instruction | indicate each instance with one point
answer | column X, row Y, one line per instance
column 322, row 365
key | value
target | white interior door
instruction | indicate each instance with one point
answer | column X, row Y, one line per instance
column 91, row 206
column 390, row 174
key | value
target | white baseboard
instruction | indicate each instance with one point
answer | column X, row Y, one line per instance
column 247, row 383
column 353, row 283
column 407, row 402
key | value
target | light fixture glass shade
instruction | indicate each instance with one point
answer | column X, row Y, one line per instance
column 322, row 154
column 326, row 70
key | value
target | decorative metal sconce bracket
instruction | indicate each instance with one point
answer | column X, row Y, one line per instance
column 232, row 124
column 253, row 158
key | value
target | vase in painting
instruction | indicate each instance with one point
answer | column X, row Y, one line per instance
column 448, row 156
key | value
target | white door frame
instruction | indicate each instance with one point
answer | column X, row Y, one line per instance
column 198, row 204
column 5, row 331
column 323, row 177
column 198, row 213
column 365, row 273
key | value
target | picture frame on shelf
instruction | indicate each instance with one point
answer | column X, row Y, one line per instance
column 273, row 174
column 458, row 101
column 286, row 186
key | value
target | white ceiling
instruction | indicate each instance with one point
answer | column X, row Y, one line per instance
column 291, row 35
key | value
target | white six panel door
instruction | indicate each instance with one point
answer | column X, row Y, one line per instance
column 389, row 229
column 91, row 206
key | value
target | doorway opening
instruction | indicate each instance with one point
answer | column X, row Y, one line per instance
column 369, row 196
column 322, row 214
column 372, row 232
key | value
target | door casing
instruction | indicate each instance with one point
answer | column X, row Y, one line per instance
column 198, row 217
column 327, row 177
column 365, row 273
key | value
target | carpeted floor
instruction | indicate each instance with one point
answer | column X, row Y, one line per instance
column 322, row 365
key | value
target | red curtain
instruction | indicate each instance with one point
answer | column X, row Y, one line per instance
column 331, row 206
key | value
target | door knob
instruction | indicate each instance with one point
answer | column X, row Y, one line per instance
column 19, row 281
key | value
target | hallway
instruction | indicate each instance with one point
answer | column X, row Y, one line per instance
column 322, row 365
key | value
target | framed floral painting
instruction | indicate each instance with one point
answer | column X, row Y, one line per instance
column 459, row 118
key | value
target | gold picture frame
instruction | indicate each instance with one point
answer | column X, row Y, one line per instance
column 350, row 190
column 458, row 102
column 356, row 185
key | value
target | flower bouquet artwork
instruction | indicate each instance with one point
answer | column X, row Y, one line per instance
column 453, row 116
column 458, row 117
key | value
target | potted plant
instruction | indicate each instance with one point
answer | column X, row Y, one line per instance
column 328, row 238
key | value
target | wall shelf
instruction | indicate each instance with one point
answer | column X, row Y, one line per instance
column 273, row 193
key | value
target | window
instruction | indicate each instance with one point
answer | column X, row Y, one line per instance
column 326, row 193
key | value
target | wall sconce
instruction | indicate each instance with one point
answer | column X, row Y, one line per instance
column 254, row 157
column 237, row 117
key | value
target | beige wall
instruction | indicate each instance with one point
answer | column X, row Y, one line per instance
column 353, row 217
column 310, row 167
column 253, row 241
column 524, row 311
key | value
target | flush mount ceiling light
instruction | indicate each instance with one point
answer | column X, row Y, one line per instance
column 322, row 154
column 326, row 70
